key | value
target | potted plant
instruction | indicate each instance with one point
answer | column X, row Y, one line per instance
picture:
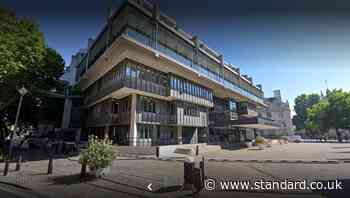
column 260, row 141
column 98, row 156
column 248, row 143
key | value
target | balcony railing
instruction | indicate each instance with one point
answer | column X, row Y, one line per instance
column 157, row 118
column 131, row 82
column 202, row 70
column 120, row 118
column 148, row 86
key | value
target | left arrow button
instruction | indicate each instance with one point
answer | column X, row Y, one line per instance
column 149, row 187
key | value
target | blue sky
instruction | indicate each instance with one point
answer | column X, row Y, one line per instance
column 295, row 47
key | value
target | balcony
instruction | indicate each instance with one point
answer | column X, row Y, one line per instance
column 120, row 118
column 246, row 109
column 156, row 118
column 222, row 119
column 130, row 82
column 122, row 27
column 147, row 41
column 255, row 122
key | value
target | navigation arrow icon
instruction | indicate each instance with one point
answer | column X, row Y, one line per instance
column 149, row 187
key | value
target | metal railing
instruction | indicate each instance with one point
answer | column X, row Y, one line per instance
column 157, row 117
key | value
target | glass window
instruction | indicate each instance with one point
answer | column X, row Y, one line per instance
column 232, row 106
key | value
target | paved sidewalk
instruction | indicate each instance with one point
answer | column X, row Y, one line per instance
column 291, row 152
column 130, row 178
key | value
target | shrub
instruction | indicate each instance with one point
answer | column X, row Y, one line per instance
column 259, row 140
column 99, row 153
column 285, row 138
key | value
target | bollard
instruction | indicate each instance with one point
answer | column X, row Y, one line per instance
column 83, row 169
column 19, row 160
column 50, row 166
column 198, row 182
column 157, row 151
column 7, row 164
column 188, row 175
column 201, row 166
column 197, row 149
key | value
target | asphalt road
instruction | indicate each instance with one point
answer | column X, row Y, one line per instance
column 11, row 191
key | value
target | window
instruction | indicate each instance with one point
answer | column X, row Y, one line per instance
column 115, row 108
column 149, row 106
column 232, row 106
column 145, row 131
column 191, row 110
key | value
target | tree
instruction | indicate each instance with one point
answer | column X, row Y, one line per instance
column 302, row 103
column 25, row 60
column 332, row 112
column 316, row 122
column 338, row 111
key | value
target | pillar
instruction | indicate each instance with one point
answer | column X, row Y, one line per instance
column 106, row 131
column 206, row 131
column 66, row 113
column 179, row 134
column 154, row 137
column 194, row 139
column 133, row 121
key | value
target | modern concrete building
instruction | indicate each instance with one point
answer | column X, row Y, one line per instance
column 278, row 111
column 147, row 82
column 73, row 105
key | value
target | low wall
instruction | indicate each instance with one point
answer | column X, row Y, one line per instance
column 136, row 150
column 168, row 151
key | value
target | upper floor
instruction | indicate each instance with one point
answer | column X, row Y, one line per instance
column 143, row 23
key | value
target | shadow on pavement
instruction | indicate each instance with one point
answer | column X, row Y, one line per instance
column 70, row 179
column 341, row 147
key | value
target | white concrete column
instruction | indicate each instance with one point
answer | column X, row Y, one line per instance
column 179, row 134
column 66, row 113
column 195, row 136
column 106, row 131
column 154, row 134
column 133, row 121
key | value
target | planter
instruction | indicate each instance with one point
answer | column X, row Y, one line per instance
column 100, row 172
column 248, row 144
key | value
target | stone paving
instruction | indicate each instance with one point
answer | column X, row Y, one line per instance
column 129, row 177
column 291, row 151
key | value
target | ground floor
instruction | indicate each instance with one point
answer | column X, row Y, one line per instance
column 231, row 135
column 151, row 134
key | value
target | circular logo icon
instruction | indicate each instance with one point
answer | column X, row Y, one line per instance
column 209, row 184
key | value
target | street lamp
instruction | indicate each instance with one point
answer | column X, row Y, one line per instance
column 22, row 91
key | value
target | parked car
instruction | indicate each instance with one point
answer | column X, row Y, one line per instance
column 295, row 138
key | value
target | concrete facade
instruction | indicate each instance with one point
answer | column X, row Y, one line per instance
column 148, row 83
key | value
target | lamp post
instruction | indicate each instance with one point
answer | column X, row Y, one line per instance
column 22, row 91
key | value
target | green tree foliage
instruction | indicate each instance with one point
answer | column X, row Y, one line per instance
column 316, row 119
column 332, row 112
column 25, row 60
column 338, row 111
column 302, row 103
